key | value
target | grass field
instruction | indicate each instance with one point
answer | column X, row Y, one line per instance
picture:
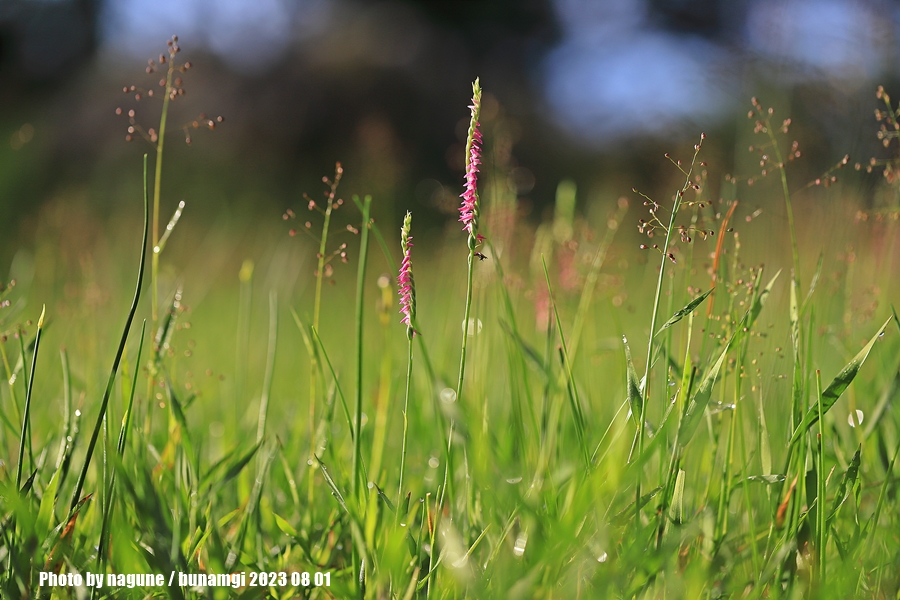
column 680, row 397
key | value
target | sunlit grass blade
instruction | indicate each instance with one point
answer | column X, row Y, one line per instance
column 688, row 309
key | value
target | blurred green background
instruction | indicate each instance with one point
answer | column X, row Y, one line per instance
column 588, row 93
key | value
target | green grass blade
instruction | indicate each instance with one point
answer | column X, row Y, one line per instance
column 337, row 384
column 364, row 207
column 115, row 367
column 697, row 404
column 688, row 309
column 836, row 388
column 270, row 367
column 632, row 387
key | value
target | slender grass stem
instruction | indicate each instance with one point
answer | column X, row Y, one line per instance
column 120, row 452
column 364, row 206
column 270, row 367
column 466, row 324
column 26, row 415
column 656, row 300
column 157, row 183
column 403, row 448
column 820, row 487
column 317, row 306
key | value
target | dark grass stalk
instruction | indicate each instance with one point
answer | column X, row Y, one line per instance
column 822, row 533
column 24, row 356
column 270, row 367
column 26, row 422
column 120, row 453
column 26, row 415
column 656, row 300
column 364, row 206
column 121, row 349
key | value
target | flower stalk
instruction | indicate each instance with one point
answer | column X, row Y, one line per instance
column 469, row 216
column 407, row 291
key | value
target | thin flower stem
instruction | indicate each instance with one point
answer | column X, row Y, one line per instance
column 656, row 299
column 157, row 181
column 313, row 360
column 409, row 363
column 462, row 357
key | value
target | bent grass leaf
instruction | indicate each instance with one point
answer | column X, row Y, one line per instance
column 633, row 390
column 836, row 388
column 237, row 466
column 334, row 489
column 699, row 401
column 688, row 309
column 284, row 526
column 847, row 483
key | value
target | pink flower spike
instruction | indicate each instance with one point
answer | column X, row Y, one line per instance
column 468, row 211
column 406, row 284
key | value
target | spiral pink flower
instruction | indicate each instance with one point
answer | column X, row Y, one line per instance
column 406, row 284
column 468, row 211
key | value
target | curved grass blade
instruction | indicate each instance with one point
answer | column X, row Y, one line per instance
column 337, row 384
column 700, row 400
column 632, row 388
column 250, row 515
column 836, row 388
column 115, row 367
column 688, row 309
column 26, row 416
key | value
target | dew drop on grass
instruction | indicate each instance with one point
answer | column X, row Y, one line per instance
column 858, row 420
column 603, row 558
column 448, row 396
column 77, row 413
column 514, row 480
column 474, row 327
column 521, row 542
column 433, row 462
